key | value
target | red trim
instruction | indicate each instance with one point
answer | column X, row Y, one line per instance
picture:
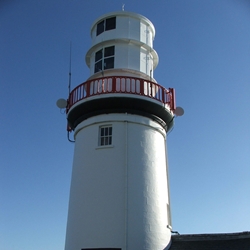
column 124, row 85
column 173, row 103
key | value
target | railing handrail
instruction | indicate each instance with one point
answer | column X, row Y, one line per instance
column 122, row 85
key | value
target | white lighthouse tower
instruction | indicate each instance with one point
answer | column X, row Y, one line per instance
column 119, row 196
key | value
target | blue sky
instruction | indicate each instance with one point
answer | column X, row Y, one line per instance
column 204, row 51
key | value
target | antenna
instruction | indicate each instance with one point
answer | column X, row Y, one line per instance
column 70, row 46
column 62, row 103
column 70, row 53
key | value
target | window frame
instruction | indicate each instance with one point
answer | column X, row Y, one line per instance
column 104, row 59
column 100, row 27
column 105, row 136
column 105, row 25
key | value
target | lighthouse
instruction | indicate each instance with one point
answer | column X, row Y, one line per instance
column 120, row 117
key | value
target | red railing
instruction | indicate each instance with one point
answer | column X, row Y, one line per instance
column 122, row 85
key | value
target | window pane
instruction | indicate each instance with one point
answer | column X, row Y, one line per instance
column 100, row 28
column 102, row 141
column 110, row 130
column 98, row 55
column 106, row 131
column 106, row 141
column 109, row 51
column 105, row 136
column 102, row 131
column 109, row 63
column 98, row 66
column 110, row 23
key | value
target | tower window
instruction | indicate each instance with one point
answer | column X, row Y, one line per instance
column 106, row 24
column 100, row 28
column 104, row 59
column 110, row 23
column 105, row 135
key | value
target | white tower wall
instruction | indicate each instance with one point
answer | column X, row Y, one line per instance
column 133, row 40
column 129, row 25
column 147, row 188
column 127, row 56
column 119, row 193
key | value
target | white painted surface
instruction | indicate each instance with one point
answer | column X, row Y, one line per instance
column 128, row 55
column 119, row 194
column 133, row 41
column 128, row 25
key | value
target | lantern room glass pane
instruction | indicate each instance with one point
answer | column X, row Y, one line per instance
column 107, row 24
column 109, row 51
column 110, row 23
column 109, row 63
column 98, row 55
column 100, row 28
column 104, row 59
column 98, row 66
